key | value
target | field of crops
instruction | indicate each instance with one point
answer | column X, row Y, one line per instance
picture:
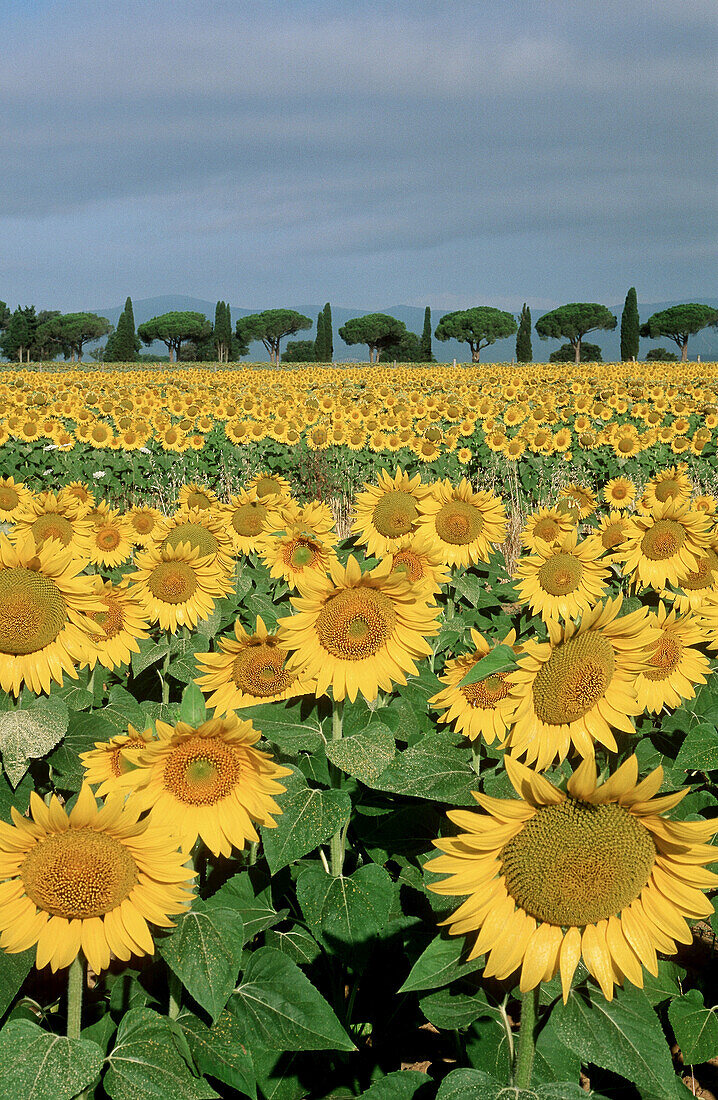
column 358, row 733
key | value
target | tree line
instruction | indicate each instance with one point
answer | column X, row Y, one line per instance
column 27, row 335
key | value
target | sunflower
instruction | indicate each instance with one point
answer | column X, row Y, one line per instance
column 547, row 525
column 670, row 484
column 203, row 529
column 619, row 492
column 463, row 523
column 612, row 531
column 664, row 545
column 122, row 622
column 142, row 522
column 48, row 518
column 705, row 503
column 385, row 512
column 596, row 871
column 247, row 518
column 295, row 552
column 419, row 559
column 111, row 762
column 696, row 585
column 209, row 782
column 581, row 498
column 358, row 632
column 44, row 609
column 249, row 670
column 89, row 880
column 193, row 495
column 572, row 689
column 176, row 587
column 270, row 485
column 676, row 665
column 14, row 498
column 563, row 580
column 476, row 710
column 110, row 542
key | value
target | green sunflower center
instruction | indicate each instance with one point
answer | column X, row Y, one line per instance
column 267, row 487
column 395, row 513
column 663, row 540
column 78, row 874
column 111, row 620
column 32, row 611
column 546, row 529
column 52, row 525
column 108, row 538
column 143, row 522
column 560, row 574
column 9, row 498
column 619, row 492
column 197, row 536
column 356, row 623
column 485, row 694
column 248, row 519
column 259, row 670
column 201, row 771
column 198, row 499
column 665, row 658
column 300, row 553
column 575, row 864
column 668, row 489
column 575, row 677
column 459, row 523
column 172, row 582
column 613, row 535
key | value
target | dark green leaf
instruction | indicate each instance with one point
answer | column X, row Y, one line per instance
column 39, row 1065
column 350, row 910
column 695, row 1027
column 30, row 732
column 440, row 964
column 13, row 971
column 453, row 1008
column 219, row 1052
column 309, row 817
column 256, row 910
column 500, row 659
column 82, row 733
column 435, row 768
column 364, row 755
column 184, row 668
column 297, row 943
column 205, row 952
column 122, row 709
column 699, row 751
column 192, row 708
column 286, row 726
column 474, row 1084
column 151, row 653
column 399, row 1085
column 147, row 1062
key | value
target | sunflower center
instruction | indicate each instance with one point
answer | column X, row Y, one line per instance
column 111, row 620
column 172, row 582
column 575, row 864
column 300, row 553
column 663, row 540
column 612, row 535
column 198, row 499
column 9, row 498
column 560, row 575
column 119, row 764
column 52, row 526
column 667, row 489
column 248, row 519
column 395, row 514
column 619, row 492
column 665, row 657
column 32, row 611
column 108, row 538
column 259, row 670
column 78, row 874
column 267, row 487
column 458, row 523
column 201, row 771
column 703, row 576
column 626, row 444
column 485, row 694
column 197, row 536
column 573, row 679
column 355, row 623
column 143, row 524
column 409, row 563
column 546, row 529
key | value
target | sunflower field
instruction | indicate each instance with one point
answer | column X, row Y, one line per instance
column 359, row 733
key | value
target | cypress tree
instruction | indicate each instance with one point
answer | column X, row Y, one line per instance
column 227, row 331
column 320, row 342
column 524, row 351
column 219, row 324
column 328, row 337
column 630, row 325
column 425, row 343
column 123, row 344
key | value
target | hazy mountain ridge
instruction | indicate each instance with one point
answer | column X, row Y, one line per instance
column 703, row 344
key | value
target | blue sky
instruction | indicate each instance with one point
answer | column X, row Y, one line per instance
column 449, row 154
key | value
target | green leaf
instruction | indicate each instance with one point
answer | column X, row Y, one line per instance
column 666, row 983
column 205, row 952
column 286, row 726
column 39, row 1065
column 309, row 817
column 454, row 1008
column 256, row 910
column 699, row 751
column 440, row 964
column 122, row 709
column 279, row 1009
column 474, row 1084
column 402, row 1084
column 13, row 971
column 82, row 732
column 185, row 668
column 219, row 1051
column 695, row 1027
column 148, row 1063
column 30, row 732
column 499, row 659
column 208, row 627
column 435, row 768
column 192, row 708
column 351, row 910
column 622, row 1035
column 19, row 797
column 297, row 943
column 364, row 755
column 151, row 653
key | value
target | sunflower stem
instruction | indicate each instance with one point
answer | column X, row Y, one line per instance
column 527, row 1041
column 336, row 844
column 75, row 983
column 165, row 679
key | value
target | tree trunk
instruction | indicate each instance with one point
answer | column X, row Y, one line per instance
column 684, row 351
column 475, row 354
column 577, row 350
column 19, row 354
column 171, row 350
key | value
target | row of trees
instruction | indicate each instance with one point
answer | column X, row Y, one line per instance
column 189, row 335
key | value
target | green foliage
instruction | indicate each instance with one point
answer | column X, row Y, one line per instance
column 524, row 352
column 16, row 338
column 376, row 330
column 71, row 331
column 270, row 327
column 589, row 353
column 695, row 1028
column 38, row 1065
column 320, row 354
column 680, row 322
column 174, row 328
column 427, row 355
column 151, row 1059
column 661, row 355
column 630, row 324
column 205, row 952
column 477, row 327
column 406, row 350
column 123, row 344
column 328, row 333
column 300, row 351
column 573, row 321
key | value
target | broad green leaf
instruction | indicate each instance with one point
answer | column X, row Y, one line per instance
column 351, row 910
column 435, row 768
column 220, row 1052
column 39, row 1065
column 184, row 668
column 553, row 1061
column 440, row 964
column 148, row 1063
column 19, row 797
column 82, row 732
column 30, row 732
column 309, row 817
column 474, row 1084
column 499, row 659
column 205, row 952
column 289, row 727
column 256, row 910
column 122, row 709
column 699, row 751
column 400, row 1085
column 74, row 693
column 364, row 755
column 622, row 1035
column 13, row 971
column 208, row 627
column 193, row 709
column 666, row 983
column 454, row 1008
column 296, row 942
column 279, row 1009
column 151, row 653
column 695, row 1027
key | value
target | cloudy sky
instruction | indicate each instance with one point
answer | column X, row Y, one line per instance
column 373, row 153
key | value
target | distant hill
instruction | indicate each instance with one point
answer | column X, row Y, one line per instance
column 703, row 344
